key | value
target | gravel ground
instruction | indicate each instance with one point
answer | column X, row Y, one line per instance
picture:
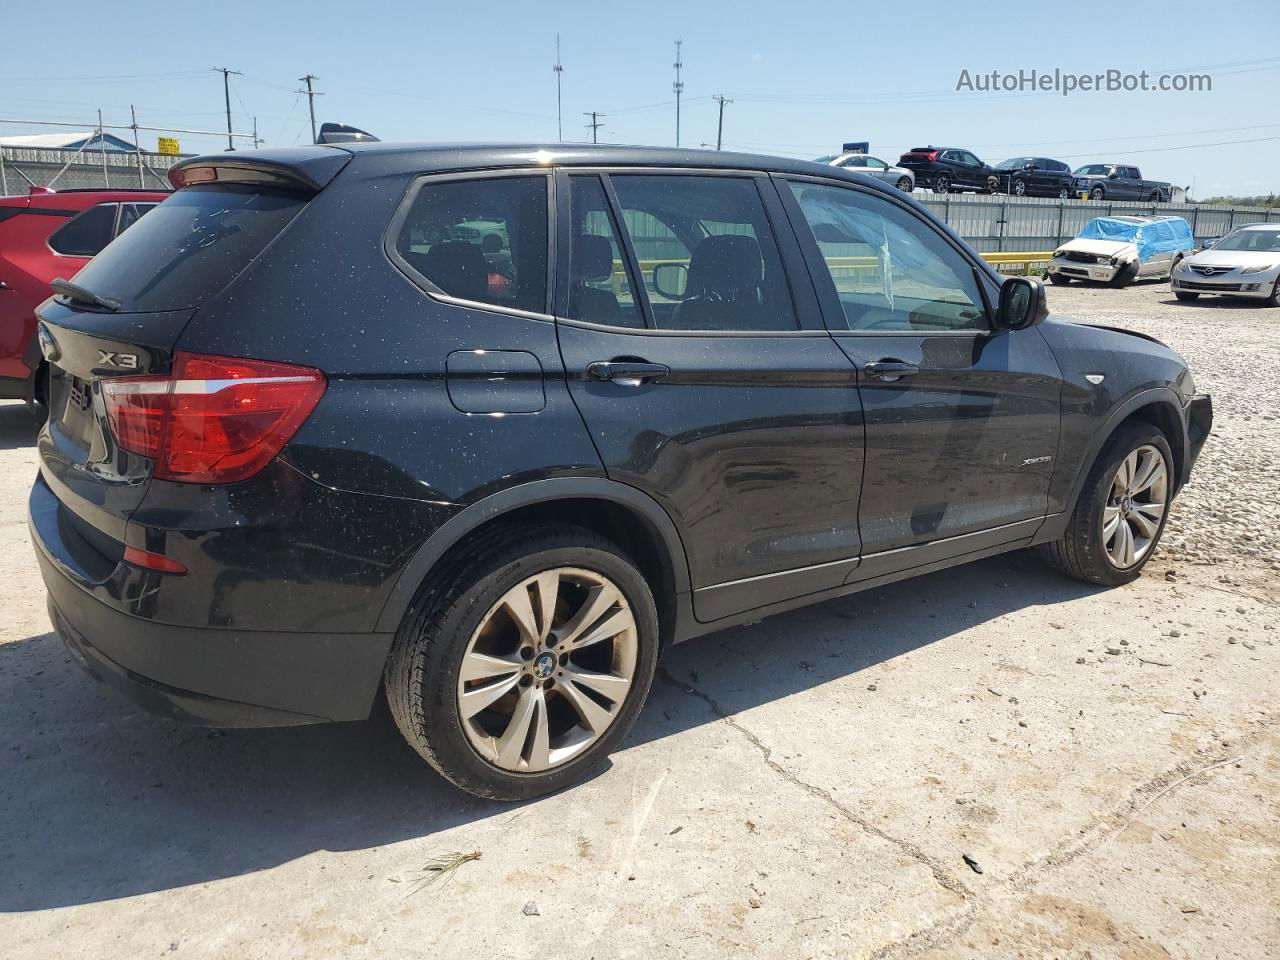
column 986, row 762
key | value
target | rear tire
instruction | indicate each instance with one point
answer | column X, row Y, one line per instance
column 1186, row 297
column 1083, row 552
column 451, row 617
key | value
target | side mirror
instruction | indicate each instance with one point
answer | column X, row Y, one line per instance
column 1022, row 304
column 1029, row 166
column 670, row 280
column 1113, row 175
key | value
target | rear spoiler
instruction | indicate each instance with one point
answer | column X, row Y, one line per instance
column 307, row 168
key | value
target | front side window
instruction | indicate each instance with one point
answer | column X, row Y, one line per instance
column 875, row 164
column 87, row 233
column 707, row 252
column 599, row 290
column 854, row 162
column 891, row 270
column 483, row 240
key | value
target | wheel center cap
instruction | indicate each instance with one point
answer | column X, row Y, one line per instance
column 544, row 665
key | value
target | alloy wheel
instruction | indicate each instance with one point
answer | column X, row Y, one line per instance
column 1019, row 188
column 548, row 669
column 1135, row 506
column 904, row 184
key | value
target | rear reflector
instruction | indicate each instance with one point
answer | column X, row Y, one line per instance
column 152, row 561
column 214, row 419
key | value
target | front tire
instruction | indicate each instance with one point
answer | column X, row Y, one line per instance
column 1097, row 193
column 516, row 675
column 1125, row 276
column 1019, row 188
column 1186, row 297
column 941, row 185
column 1059, row 278
column 1274, row 299
column 1120, row 516
column 904, row 184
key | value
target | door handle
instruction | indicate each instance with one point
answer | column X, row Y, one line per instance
column 890, row 370
column 631, row 373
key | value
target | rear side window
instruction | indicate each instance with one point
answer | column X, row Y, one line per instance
column 483, row 240
column 87, row 233
column 189, row 247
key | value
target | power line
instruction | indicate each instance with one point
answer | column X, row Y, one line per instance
column 311, row 100
column 722, row 100
column 594, row 125
column 678, row 88
column 226, row 93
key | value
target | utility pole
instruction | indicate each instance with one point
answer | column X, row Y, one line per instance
column 226, row 93
column 102, row 148
column 722, row 100
column 558, row 70
column 311, row 100
column 678, row 88
column 137, row 144
column 594, row 125
column 257, row 141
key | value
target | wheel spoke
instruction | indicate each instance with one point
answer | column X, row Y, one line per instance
column 607, row 685
column 1110, row 520
column 479, row 666
column 1152, row 472
column 1146, row 516
column 546, row 591
column 599, row 600
column 473, row 701
column 594, row 717
column 614, row 624
column 1124, row 477
column 1125, row 544
column 510, row 745
column 520, row 606
column 540, row 749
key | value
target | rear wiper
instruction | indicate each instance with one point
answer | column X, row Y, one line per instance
column 73, row 291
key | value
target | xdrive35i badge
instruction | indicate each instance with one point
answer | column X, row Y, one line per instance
column 127, row 361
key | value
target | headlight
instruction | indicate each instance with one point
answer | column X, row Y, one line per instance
column 1263, row 269
column 1106, row 260
column 1057, row 253
column 1182, row 265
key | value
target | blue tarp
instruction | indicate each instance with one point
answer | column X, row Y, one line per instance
column 1162, row 235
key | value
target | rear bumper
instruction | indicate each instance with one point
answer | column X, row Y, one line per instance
column 219, row 677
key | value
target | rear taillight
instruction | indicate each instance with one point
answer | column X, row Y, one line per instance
column 214, row 419
column 932, row 157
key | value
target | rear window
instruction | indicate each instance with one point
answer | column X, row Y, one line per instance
column 189, row 247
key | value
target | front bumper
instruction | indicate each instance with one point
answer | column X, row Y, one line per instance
column 1103, row 272
column 1199, row 417
column 218, row 677
column 1232, row 284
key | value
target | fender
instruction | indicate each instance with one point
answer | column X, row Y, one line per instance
column 1055, row 525
column 523, row 495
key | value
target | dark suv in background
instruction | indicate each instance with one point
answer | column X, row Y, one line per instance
column 1035, row 177
column 949, row 169
column 489, row 426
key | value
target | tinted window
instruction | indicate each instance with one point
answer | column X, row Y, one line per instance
column 86, row 234
column 482, row 240
column 715, row 233
column 599, row 289
column 189, row 247
column 891, row 270
column 854, row 162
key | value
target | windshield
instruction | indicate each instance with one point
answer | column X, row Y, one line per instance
column 1255, row 241
column 189, row 247
column 1014, row 163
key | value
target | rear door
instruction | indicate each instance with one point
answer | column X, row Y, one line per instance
column 147, row 284
column 695, row 352
column 961, row 420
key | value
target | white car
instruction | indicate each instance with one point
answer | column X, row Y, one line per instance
column 1244, row 263
column 900, row 177
column 1118, row 250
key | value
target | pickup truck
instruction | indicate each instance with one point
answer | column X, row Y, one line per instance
column 1115, row 181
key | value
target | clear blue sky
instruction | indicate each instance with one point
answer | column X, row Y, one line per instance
column 803, row 78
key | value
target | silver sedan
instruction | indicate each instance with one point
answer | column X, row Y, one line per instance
column 900, row 177
column 1244, row 263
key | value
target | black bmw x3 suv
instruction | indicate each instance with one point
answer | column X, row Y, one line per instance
column 489, row 426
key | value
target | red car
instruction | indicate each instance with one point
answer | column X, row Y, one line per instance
column 42, row 236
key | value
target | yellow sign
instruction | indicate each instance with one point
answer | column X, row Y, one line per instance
column 167, row 145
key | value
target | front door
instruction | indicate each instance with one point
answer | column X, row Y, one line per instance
column 696, row 353
column 962, row 420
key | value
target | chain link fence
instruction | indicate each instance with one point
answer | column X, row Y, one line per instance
column 21, row 168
